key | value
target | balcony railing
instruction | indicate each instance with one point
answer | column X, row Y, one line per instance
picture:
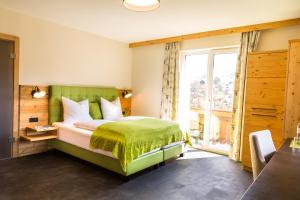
column 220, row 126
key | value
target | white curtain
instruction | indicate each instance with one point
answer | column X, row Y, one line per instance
column 249, row 41
column 184, row 97
column 169, row 99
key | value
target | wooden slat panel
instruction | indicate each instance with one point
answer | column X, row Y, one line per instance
column 293, row 90
column 267, row 64
column 28, row 148
column 266, row 118
column 277, row 133
column 246, row 157
column 266, row 83
column 268, row 91
column 30, row 107
column 265, row 98
column 125, row 103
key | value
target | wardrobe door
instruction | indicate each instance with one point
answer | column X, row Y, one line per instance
column 293, row 90
column 6, row 98
column 264, row 98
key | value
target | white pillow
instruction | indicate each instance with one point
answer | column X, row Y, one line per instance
column 111, row 110
column 75, row 111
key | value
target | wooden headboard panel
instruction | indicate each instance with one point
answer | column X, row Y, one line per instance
column 125, row 103
column 30, row 107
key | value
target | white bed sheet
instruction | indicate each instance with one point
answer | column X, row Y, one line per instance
column 81, row 138
column 93, row 124
column 78, row 137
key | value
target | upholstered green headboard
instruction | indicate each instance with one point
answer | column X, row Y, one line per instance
column 75, row 93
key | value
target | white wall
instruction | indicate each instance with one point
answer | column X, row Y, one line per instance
column 148, row 64
column 277, row 39
column 54, row 54
column 211, row 42
column 147, row 80
column 147, row 71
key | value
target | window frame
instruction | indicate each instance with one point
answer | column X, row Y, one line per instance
column 211, row 52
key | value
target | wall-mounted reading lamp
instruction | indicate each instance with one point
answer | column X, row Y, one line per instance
column 126, row 94
column 37, row 93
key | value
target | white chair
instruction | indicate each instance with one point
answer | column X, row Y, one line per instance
column 261, row 149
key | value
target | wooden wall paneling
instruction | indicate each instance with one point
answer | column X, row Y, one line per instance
column 293, row 89
column 265, row 91
column 267, row 64
column 125, row 103
column 266, row 117
column 31, row 107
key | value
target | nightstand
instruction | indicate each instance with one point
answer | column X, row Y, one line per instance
column 39, row 133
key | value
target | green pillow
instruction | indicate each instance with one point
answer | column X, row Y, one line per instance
column 95, row 111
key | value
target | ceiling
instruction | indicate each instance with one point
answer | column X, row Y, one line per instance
column 110, row 19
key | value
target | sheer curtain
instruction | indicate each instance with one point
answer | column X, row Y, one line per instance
column 249, row 41
column 184, row 97
column 169, row 99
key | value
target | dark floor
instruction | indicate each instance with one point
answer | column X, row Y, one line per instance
column 55, row 175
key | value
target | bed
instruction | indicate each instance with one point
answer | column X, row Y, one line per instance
column 74, row 141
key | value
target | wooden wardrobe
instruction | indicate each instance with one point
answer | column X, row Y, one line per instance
column 265, row 92
column 292, row 116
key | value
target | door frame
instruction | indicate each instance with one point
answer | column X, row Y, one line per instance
column 15, row 128
column 211, row 52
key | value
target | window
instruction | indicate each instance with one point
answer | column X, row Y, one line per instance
column 209, row 80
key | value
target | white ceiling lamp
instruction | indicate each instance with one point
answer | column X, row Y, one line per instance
column 141, row 5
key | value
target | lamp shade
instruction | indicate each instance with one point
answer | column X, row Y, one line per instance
column 37, row 93
column 126, row 94
column 141, row 5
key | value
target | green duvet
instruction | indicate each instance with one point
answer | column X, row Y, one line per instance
column 127, row 140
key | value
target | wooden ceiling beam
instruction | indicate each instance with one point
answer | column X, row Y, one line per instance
column 262, row 26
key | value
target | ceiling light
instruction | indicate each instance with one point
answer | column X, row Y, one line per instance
column 141, row 5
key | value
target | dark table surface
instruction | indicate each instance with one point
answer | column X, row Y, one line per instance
column 280, row 179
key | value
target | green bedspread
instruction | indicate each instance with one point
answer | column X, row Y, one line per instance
column 127, row 140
